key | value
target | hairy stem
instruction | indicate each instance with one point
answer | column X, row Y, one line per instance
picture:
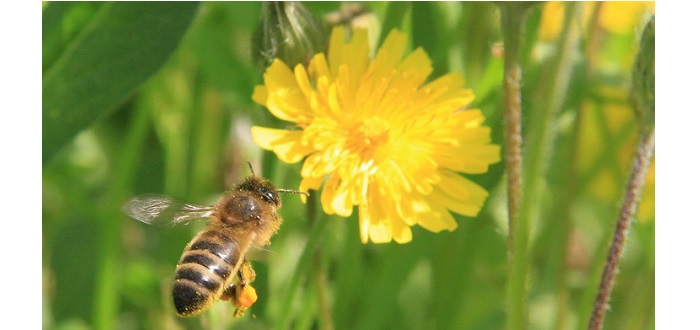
column 642, row 160
column 512, row 17
column 511, row 23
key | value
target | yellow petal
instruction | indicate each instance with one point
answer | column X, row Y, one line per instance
column 478, row 158
column 286, row 144
column 341, row 202
column 303, row 80
column 480, row 135
column 392, row 50
column 260, row 95
column 438, row 219
column 404, row 211
column 285, row 99
column 447, row 88
column 279, row 76
column 459, row 195
column 328, row 194
column 364, row 222
column 357, row 56
column 400, row 231
column 318, row 67
column 310, row 183
column 415, row 69
column 471, row 118
column 335, row 49
column 380, row 230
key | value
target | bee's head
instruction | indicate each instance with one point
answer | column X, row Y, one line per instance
column 262, row 188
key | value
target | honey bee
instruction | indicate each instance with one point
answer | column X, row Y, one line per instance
column 213, row 265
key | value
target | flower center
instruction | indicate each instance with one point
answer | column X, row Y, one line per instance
column 366, row 136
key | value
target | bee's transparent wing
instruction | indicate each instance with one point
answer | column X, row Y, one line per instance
column 160, row 209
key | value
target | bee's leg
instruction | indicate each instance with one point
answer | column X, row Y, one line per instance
column 242, row 294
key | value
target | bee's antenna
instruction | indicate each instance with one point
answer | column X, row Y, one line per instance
column 290, row 191
column 250, row 165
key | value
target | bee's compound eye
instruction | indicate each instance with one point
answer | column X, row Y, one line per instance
column 269, row 196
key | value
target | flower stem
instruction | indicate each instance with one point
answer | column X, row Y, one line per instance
column 316, row 236
column 527, row 173
column 511, row 24
column 512, row 17
column 642, row 93
column 325, row 314
column 642, row 160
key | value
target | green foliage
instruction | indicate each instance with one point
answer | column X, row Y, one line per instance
column 96, row 57
column 156, row 98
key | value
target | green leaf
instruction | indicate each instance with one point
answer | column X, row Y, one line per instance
column 60, row 24
column 430, row 32
column 394, row 17
column 121, row 46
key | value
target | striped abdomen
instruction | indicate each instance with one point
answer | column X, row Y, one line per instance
column 204, row 270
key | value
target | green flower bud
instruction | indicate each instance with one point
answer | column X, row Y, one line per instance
column 289, row 32
column 642, row 90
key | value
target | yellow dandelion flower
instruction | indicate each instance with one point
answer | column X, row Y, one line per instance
column 620, row 17
column 376, row 135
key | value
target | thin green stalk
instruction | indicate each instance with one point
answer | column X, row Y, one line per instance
column 645, row 151
column 525, row 207
column 573, row 186
column 209, row 121
column 512, row 17
column 172, row 121
column 642, row 97
column 107, row 289
column 303, row 268
column 321, row 280
column 540, row 142
column 566, row 224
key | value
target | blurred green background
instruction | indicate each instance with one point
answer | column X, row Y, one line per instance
column 156, row 98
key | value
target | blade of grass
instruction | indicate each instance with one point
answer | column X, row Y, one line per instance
column 429, row 31
column 540, row 141
column 107, row 301
column 395, row 13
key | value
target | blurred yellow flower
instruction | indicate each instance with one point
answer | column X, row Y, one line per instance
column 612, row 123
column 379, row 136
column 620, row 17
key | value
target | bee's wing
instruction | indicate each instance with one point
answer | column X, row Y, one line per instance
column 160, row 209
